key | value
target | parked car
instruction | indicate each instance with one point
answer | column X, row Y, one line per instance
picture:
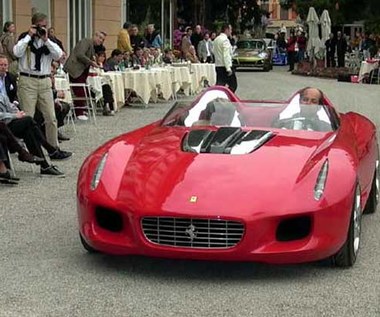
column 220, row 178
column 252, row 53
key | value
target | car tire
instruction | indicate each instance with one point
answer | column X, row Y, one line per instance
column 86, row 246
column 373, row 198
column 347, row 255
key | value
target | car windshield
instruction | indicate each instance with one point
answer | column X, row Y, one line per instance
column 252, row 45
column 215, row 109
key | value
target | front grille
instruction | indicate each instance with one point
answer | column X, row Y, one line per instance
column 192, row 232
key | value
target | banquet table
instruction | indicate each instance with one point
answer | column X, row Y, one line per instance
column 96, row 83
column 146, row 82
column 199, row 73
column 115, row 80
column 181, row 78
column 366, row 67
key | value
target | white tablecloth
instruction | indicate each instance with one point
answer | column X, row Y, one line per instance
column 181, row 78
column 117, row 85
column 201, row 72
column 62, row 83
column 366, row 68
column 96, row 86
column 145, row 83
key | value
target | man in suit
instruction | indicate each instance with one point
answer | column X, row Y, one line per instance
column 206, row 50
column 330, row 50
column 78, row 66
column 8, row 84
column 341, row 48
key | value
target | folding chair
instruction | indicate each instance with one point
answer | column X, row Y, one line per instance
column 9, row 164
column 375, row 76
column 89, row 100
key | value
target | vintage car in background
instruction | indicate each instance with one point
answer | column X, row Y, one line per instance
column 252, row 53
column 220, row 178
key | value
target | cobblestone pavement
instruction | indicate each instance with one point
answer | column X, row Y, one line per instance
column 45, row 272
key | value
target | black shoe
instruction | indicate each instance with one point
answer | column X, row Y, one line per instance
column 25, row 156
column 62, row 137
column 51, row 171
column 60, row 155
column 7, row 178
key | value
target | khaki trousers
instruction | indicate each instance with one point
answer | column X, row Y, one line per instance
column 37, row 93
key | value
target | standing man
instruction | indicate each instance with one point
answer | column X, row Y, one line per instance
column 123, row 39
column 330, row 51
column 78, row 66
column 341, row 48
column 206, row 50
column 225, row 74
column 36, row 52
column 196, row 37
column 291, row 49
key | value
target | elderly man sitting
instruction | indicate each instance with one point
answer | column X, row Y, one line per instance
column 24, row 127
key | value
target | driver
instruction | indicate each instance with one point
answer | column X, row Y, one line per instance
column 312, row 118
column 311, row 96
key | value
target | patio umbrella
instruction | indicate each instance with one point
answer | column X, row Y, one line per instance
column 314, row 42
column 325, row 26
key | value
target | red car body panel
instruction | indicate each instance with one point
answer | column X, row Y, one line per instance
column 147, row 174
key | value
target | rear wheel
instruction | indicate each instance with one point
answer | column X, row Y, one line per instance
column 87, row 247
column 347, row 255
column 373, row 197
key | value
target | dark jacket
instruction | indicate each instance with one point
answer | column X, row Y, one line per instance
column 137, row 41
column 11, row 87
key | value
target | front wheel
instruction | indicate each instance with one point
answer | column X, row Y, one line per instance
column 373, row 198
column 347, row 255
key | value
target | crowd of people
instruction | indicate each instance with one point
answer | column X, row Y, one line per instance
column 28, row 108
column 32, row 110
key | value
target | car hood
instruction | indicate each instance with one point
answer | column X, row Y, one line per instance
column 159, row 176
column 248, row 52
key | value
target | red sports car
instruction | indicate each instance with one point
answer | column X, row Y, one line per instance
column 232, row 180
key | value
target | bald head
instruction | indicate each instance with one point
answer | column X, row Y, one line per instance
column 311, row 96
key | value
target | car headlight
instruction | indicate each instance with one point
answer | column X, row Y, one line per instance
column 98, row 172
column 263, row 55
column 319, row 187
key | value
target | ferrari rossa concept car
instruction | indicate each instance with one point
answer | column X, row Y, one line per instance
column 224, row 179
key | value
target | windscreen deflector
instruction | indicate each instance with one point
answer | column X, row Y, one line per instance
column 225, row 140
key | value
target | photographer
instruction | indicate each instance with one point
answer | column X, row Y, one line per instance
column 36, row 52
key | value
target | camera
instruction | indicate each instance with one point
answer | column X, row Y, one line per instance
column 40, row 31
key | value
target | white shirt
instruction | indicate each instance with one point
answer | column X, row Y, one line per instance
column 223, row 52
column 27, row 58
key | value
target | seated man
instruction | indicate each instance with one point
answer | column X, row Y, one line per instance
column 305, row 111
column 9, row 141
column 114, row 61
column 24, row 127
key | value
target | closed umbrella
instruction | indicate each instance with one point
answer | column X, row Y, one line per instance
column 326, row 29
column 314, row 42
column 325, row 26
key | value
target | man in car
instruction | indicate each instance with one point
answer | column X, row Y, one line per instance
column 311, row 96
column 307, row 114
